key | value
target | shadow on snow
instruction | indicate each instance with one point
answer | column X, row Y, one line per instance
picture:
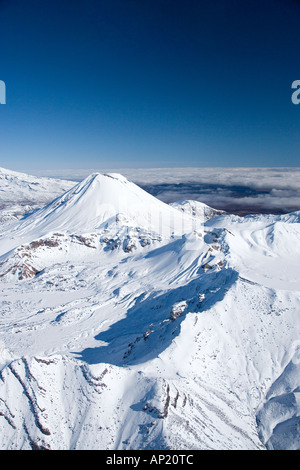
column 154, row 320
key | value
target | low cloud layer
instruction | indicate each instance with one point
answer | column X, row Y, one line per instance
column 239, row 200
column 238, row 190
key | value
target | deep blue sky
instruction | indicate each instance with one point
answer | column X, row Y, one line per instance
column 149, row 83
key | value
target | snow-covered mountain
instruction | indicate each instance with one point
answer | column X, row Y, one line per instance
column 21, row 193
column 101, row 200
column 197, row 209
column 127, row 323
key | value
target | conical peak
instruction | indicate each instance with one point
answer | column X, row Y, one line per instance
column 99, row 185
column 117, row 176
column 99, row 178
column 98, row 201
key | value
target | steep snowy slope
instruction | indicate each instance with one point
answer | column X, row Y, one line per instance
column 102, row 208
column 126, row 324
column 21, row 193
column 100, row 200
column 265, row 249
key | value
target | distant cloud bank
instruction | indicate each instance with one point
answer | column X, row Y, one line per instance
column 238, row 190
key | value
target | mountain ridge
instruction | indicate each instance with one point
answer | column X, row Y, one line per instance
column 127, row 337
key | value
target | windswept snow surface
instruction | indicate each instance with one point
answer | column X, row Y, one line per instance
column 130, row 324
